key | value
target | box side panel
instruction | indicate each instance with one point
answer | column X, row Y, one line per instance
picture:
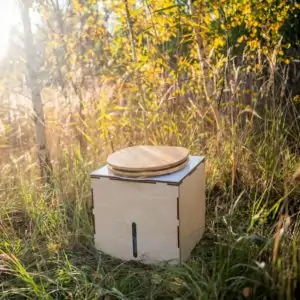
column 191, row 211
column 136, row 221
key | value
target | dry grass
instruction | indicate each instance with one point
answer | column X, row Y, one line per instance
column 248, row 251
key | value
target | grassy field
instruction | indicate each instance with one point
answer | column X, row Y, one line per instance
column 248, row 128
column 251, row 244
column 218, row 77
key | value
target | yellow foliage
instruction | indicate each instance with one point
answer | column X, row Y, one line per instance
column 242, row 38
column 77, row 6
column 254, row 44
column 207, row 19
column 219, row 42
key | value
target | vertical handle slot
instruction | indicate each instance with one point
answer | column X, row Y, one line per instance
column 134, row 240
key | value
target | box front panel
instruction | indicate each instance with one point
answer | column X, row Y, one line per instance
column 136, row 220
column 111, row 232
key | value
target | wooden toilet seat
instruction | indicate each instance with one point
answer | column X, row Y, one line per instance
column 147, row 161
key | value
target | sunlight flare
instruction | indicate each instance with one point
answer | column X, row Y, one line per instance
column 8, row 17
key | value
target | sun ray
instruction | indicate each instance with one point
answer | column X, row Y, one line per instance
column 8, row 18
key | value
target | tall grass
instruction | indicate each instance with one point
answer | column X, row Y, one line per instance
column 250, row 247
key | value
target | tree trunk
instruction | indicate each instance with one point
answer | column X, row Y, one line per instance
column 35, row 88
column 77, row 87
column 135, row 60
column 130, row 31
column 204, row 67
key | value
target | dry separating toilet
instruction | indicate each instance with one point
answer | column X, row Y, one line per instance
column 149, row 204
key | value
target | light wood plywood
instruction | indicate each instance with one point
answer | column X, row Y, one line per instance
column 191, row 211
column 147, row 158
column 145, row 174
column 150, row 221
column 152, row 207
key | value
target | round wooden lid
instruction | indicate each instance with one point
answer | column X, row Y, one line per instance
column 147, row 158
column 151, row 173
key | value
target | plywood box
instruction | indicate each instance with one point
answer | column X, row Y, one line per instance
column 153, row 219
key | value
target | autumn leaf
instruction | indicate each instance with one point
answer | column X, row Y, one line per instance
column 247, row 292
column 296, row 176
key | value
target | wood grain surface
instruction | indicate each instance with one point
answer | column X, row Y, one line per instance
column 147, row 158
column 146, row 174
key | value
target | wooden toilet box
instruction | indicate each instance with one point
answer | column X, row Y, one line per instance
column 153, row 219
